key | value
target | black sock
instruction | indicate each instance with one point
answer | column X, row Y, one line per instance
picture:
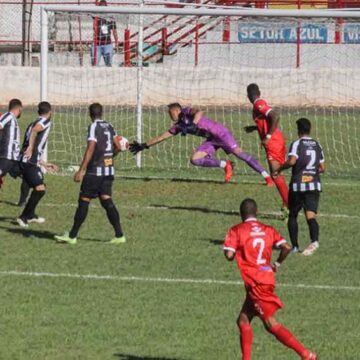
column 293, row 230
column 314, row 230
column 113, row 216
column 24, row 192
column 79, row 218
column 29, row 210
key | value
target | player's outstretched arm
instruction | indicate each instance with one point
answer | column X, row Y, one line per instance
column 84, row 164
column 285, row 250
column 136, row 147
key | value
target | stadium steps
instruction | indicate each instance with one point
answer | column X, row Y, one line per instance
column 180, row 33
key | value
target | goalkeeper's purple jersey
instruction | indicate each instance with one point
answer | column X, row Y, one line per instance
column 204, row 128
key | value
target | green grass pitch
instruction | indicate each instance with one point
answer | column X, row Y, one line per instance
column 174, row 231
column 132, row 305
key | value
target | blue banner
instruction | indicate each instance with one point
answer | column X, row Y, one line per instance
column 309, row 34
column 351, row 34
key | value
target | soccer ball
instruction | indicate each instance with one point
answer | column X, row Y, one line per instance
column 122, row 143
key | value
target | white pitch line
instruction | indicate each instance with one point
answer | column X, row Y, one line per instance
column 165, row 208
column 351, row 182
column 164, row 280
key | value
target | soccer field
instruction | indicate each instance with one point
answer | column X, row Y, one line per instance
column 169, row 293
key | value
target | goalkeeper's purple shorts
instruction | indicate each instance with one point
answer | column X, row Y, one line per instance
column 225, row 140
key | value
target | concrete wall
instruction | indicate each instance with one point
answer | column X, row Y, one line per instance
column 19, row 82
column 197, row 85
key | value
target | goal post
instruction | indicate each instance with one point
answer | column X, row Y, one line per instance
column 172, row 54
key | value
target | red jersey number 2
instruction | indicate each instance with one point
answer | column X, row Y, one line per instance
column 260, row 244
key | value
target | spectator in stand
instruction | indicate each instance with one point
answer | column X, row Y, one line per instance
column 103, row 47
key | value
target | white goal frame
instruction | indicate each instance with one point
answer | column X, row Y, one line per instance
column 190, row 10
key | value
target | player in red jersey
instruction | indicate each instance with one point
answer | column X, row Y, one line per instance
column 271, row 137
column 251, row 243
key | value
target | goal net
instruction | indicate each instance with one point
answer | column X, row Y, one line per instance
column 304, row 66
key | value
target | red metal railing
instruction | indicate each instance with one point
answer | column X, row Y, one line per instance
column 192, row 35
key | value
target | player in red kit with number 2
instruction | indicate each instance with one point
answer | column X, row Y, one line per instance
column 251, row 244
column 271, row 137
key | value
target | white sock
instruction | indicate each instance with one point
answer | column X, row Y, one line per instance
column 222, row 163
column 265, row 174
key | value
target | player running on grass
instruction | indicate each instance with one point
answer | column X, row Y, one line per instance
column 97, row 175
column 190, row 121
column 251, row 243
column 271, row 137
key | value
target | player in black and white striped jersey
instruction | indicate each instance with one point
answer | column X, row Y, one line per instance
column 97, row 175
column 306, row 158
column 30, row 160
column 10, row 137
column 101, row 163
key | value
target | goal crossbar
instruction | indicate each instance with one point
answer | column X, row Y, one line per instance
column 315, row 13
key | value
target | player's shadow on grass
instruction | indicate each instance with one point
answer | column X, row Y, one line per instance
column 202, row 209
column 6, row 219
column 134, row 357
column 215, row 242
column 30, row 233
column 10, row 203
column 176, row 179
column 206, row 210
column 40, row 234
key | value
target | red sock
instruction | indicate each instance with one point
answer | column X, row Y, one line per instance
column 246, row 337
column 282, row 188
column 287, row 338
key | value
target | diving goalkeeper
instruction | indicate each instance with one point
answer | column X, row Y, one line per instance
column 188, row 121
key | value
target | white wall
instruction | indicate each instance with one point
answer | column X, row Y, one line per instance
column 197, row 85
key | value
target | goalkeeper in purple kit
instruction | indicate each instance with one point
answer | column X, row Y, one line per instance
column 187, row 121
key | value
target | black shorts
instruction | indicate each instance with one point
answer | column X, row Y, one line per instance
column 32, row 174
column 6, row 166
column 93, row 186
column 307, row 200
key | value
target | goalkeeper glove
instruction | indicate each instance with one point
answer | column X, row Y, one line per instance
column 136, row 147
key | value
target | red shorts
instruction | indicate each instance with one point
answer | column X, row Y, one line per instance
column 262, row 301
column 276, row 149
